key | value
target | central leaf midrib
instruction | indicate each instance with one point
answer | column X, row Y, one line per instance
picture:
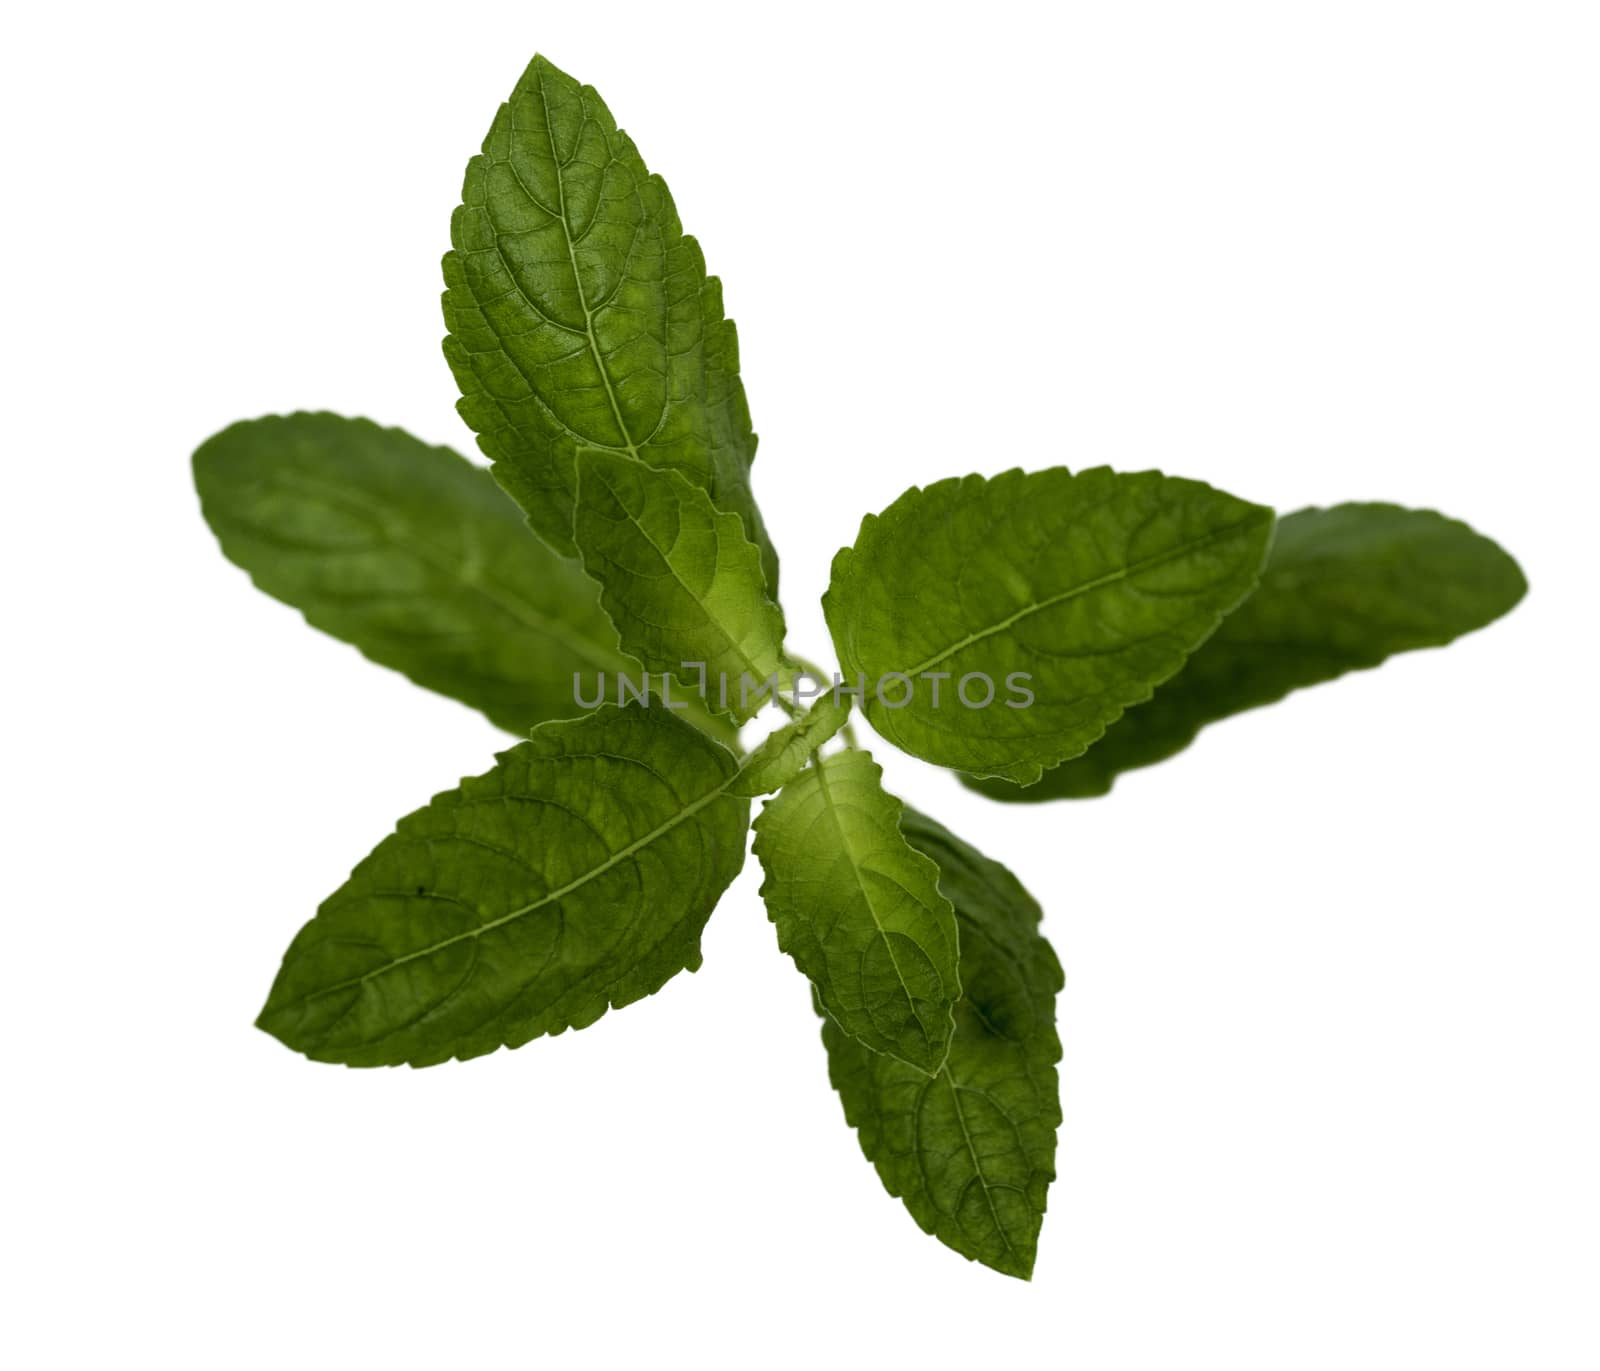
column 855, row 870
column 550, row 897
column 577, row 277
column 718, row 517
column 1084, row 588
column 977, row 1161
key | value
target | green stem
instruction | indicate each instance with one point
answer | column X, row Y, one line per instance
column 810, row 668
column 848, row 732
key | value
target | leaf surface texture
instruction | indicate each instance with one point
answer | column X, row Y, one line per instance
column 860, row 910
column 581, row 317
column 412, row 554
column 971, row 1152
column 575, row 876
column 1095, row 586
column 1344, row 589
column 679, row 579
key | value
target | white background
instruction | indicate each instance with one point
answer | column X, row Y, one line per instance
column 1330, row 1078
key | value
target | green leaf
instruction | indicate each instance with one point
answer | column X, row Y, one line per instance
column 780, row 757
column 575, row 876
column 413, row 555
column 970, row 1152
column 860, row 911
column 581, row 317
column 679, row 579
column 1083, row 591
column 1343, row 590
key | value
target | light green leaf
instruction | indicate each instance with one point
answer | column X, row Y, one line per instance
column 860, row 911
column 1000, row 625
column 575, row 876
column 970, row 1152
column 780, row 757
column 678, row 578
column 412, row 554
column 581, row 317
column 1343, row 590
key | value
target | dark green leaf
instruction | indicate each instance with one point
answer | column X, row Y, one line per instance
column 860, row 911
column 581, row 316
column 1344, row 589
column 413, row 555
column 971, row 1152
column 679, row 579
column 575, row 876
column 1083, row 592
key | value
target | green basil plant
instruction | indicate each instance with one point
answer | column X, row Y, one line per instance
column 607, row 591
